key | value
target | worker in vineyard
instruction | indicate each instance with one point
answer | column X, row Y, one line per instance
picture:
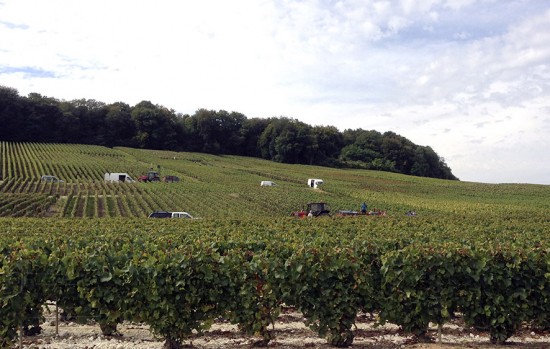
column 364, row 208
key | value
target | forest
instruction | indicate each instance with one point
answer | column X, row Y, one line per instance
column 38, row 118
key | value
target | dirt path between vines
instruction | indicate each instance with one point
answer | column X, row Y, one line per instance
column 289, row 330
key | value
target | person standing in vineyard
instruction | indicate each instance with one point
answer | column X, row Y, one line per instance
column 364, row 208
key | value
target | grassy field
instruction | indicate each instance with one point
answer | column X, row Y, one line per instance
column 229, row 186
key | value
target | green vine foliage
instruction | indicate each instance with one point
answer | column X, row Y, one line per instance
column 180, row 278
column 505, row 289
column 184, row 288
column 421, row 284
column 21, row 291
column 253, row 300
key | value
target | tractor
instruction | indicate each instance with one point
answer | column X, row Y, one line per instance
column 313, row 209
column 151, row 176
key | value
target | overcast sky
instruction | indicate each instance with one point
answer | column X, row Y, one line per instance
column 471, row 79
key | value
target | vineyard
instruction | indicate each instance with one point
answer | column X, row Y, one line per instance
column 474, row 251
column 211, row 186
column 228, row 186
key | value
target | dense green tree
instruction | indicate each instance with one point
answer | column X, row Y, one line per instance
column 11, row 114
column 354, row 152
column 40, row 118
column 287, row 140
column 230, row 137
column 89, row 117
column 382, row 164
column 119, row 125
column 361, row 145
column 398, row 150
column 327, row 143
column 68, row 125
column 208, row 129
column 215, row 132
column 420, row 167
column 364, row 149
column 368, row 139
column 192, row 141
column 251, row 132
column 155, row 126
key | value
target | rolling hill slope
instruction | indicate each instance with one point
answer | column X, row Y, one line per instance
column 229, row 186
column 476, row 252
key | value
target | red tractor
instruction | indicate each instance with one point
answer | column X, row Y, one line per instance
column 151, row 176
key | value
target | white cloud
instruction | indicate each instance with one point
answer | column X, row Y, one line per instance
column 469, row 78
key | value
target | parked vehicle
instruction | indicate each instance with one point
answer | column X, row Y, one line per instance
column 118, row 177
column 268, row 184
column 314, row 182
column 165, row 214
column 151, row 176
column 313, row 209
column 170, row 179
column 50, row 178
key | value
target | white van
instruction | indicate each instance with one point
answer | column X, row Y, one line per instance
column 165, row 214
column 118, row 177
column 314, row 182
column 267, row 184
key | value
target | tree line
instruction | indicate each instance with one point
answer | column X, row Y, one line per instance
column 37, row 118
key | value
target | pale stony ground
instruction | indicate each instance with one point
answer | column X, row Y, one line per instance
column 290, row 332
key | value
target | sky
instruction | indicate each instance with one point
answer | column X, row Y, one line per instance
column 471, row 79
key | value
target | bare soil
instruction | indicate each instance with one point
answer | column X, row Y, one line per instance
column 100, row 206
column 289, row 331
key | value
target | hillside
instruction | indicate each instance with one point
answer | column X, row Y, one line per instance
column 475, row 255
column 229, row 186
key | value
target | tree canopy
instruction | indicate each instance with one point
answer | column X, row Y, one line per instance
column 37, row 118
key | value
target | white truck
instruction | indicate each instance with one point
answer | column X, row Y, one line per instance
column 314, row 182
column 165, row 214
column 113, row 177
